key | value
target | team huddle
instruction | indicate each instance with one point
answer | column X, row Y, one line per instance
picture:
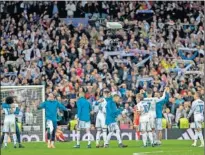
column 149, row 109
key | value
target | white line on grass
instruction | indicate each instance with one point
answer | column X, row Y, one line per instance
column 141, row 153
column 154, row 152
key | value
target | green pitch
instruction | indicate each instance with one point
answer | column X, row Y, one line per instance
column 169, row 147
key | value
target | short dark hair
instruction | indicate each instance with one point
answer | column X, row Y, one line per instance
column 149, row 91
column 9, row 99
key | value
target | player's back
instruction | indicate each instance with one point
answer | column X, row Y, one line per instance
column 144, row 107
column 152, row 102
column 84, row 109
column 198, row 107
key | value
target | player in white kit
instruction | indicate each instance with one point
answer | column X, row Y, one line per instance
column 197, row 109
column 100, row 120
column 9, row 120
column 152, row 111
column 143, row 108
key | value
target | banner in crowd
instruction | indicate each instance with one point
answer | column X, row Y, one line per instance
column 131, row 52
column 187, row 49
column 144, row 11
column 77, row 21
column 129, row 134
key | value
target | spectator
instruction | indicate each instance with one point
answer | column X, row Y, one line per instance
column 169, row 117
column 125, row 122
column 38, row 47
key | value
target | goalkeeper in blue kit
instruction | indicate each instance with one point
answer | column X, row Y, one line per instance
column 51, row 106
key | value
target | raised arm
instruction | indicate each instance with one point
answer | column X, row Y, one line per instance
column 62, row 107
column 42, row 105
column 163, row 96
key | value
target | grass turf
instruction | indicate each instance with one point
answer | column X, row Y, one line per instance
column 168, row 147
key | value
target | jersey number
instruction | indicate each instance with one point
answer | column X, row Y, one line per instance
column 146, row 107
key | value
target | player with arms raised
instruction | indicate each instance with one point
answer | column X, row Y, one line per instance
column 152, row 111
column 100, row 119
column 159, row 108
column 51, row 106
column 197, row 109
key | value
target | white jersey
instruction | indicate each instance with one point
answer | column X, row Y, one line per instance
column 144, row 108
column 152, row 102
column 9, row 120
column 102, row 107
column 198, row 109
column 100, row 120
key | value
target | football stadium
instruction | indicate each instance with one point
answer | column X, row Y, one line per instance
column 102, row 77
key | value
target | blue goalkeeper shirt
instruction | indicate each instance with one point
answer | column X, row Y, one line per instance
column 160, row 104
column 111, row 111
column 51, row 109
column 84, row 109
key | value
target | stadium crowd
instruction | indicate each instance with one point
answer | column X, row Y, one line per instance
column 39, row 48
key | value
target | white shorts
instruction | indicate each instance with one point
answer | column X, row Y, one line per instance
column 198, row 120
column 100, row 121
column 83, row 125
column 198, row 125
column 49, row 125
column 145, row 126
column 9, row 123
column 113, row 127
column 153, row 123
column 159, row 124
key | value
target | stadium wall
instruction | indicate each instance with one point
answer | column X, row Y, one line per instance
column 179, row 134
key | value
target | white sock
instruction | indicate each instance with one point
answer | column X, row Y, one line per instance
column 14, row 139
column 5, row 139
column 52, row 143
column 98, row 137
column 150, row 137
column 195, row 137
column 108, row 137
column 89, row 137
column 201, row 137
column 105, row 136
column 78, row 137
column 144, row 138
column 154, row 136
column 118, row 136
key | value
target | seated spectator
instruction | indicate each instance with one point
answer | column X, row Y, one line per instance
column 169, row 117
column 125, row 121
